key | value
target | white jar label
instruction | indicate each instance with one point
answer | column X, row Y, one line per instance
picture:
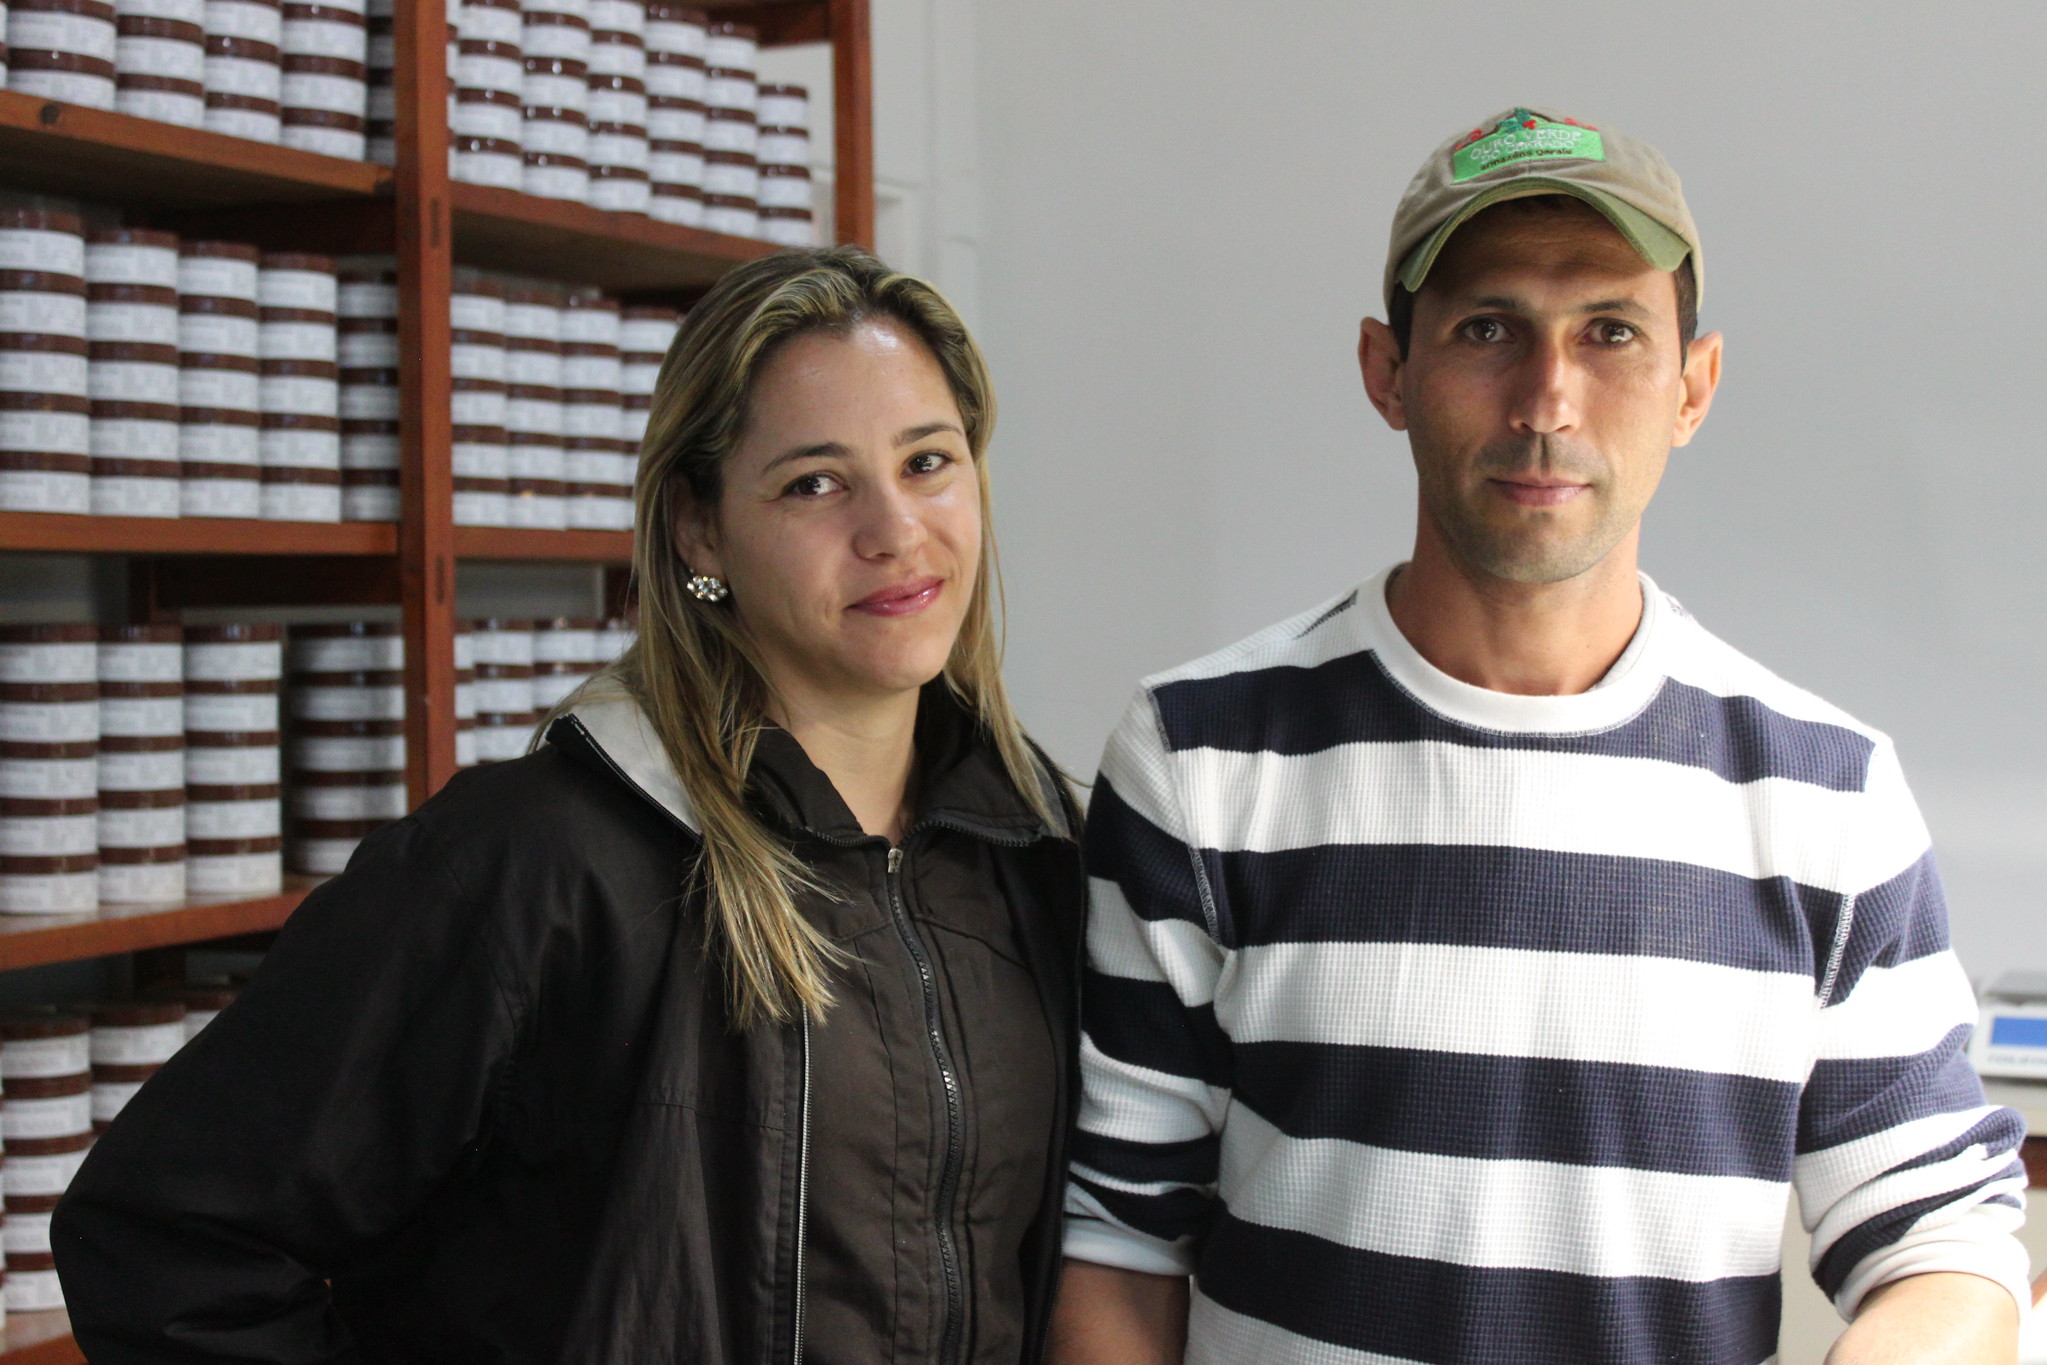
column 109, row 1098
column 125, row 661
column 317, row 290
column 479, row 509
column 55, row 1117
column 152, row 827
column 221, row 497
column 349, row 754
column 196, row 1020
column 489, row 71
column 142, row 716
column 64, row 1056
column 535, row 462
column 299, row 393
column 50, row 722
column 153, row 324
column 126, row 495
column 141, row 883
column 471, row 361
column 59, row 253
column 231, row 713
column 49, row 779
column 296, row 341
column 160, row 771
column 366, row 299
column 184, row 11
column 220, row 277
column 289, row 448
column 556, row 137
column 478, row 408
column 543, row 368
column 254, row 766
column 208, row 443
column 35, row 490
column 134, row 381
column 324, row 38
column 25, row 1234
column 676, row 82
column 370, row 403
column 235, row 874
column 234, row 660
column 348, row 654
column 36, row 311
column 42, row 372
column 59, row 662
column 348, row 803
column 134, row 438
column 233, row 819
column 218, row 334
column 48, row 836
column 170, row 57
column 137, row 1045
column 27, row 1177
column 477, row 313
column 539, row 90
column 504, row 696
column 331, row 94
column 480, row 460
column 667, row 35
column 301, row 502
column 94, row 92
column 241, row 19
column 61, row 31
column 232, row 390
column 501, row 121
column 368, row 350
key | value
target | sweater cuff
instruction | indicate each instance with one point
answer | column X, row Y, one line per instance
column 1978, row 1243
column 1091, row 1239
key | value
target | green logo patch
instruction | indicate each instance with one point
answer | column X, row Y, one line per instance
column 1523, row 136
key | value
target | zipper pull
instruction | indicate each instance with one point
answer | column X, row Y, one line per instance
column 895, row 860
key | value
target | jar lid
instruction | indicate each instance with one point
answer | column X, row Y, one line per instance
column 137, row 1013
column 216, row 994
column 40, row 1021
column 231, row 251
column 55, row 633
column 296, row 260
column 41, row 219
column 126, row 236
column 344, row 630
column 779, row 88
column 241, row 632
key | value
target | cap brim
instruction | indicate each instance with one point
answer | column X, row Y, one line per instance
column 1652, row 241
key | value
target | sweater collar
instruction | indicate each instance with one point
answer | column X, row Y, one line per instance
column 1616, row 698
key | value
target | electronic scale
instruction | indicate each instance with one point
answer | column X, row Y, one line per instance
column 2011, row 1034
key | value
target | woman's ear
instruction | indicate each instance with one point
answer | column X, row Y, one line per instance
column 695, row 527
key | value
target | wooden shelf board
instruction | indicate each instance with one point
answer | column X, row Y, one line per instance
column 504, row 542
column 33, row 940
column 507, row 230
column 39, row 1339
column 70, row 149
column 59, row 532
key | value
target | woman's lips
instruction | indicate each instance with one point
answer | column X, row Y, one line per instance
column 901, row 599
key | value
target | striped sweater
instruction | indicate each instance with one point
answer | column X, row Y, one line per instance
column 1429, row 1023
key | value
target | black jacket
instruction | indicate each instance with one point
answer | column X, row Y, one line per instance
column 485, row 1088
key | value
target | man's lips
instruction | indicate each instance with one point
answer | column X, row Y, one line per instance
column 1538, row 492
column 901, row 599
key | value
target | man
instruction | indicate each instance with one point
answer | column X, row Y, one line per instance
column 1478, row 961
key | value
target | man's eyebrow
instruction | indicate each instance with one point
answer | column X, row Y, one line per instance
column 1507, row 303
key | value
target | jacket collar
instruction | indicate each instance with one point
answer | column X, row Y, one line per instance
column 962, row 782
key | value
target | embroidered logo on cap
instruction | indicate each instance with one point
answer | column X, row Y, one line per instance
column 1523, row 136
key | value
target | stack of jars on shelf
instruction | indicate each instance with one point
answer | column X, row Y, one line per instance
column 347, row 739
column 635, row 106
column 144, row 376
column 294, row 73
column 525, row 668
column 65, row 1075
column 550, row 394
column 178, row 731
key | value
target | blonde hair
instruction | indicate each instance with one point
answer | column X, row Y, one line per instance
column 692, row 670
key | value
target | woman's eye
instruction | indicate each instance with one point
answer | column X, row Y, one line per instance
column 812, row 485
column 1485, row 329
column 928, row 462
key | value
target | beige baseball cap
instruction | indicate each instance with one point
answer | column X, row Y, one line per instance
column 1523, row 152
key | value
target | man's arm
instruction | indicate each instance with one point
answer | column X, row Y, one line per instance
column 1107, row 1316
column 1936, row 1319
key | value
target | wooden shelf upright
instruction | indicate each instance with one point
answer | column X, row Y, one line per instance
column 200, row 183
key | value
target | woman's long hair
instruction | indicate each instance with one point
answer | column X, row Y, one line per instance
column 693, row 672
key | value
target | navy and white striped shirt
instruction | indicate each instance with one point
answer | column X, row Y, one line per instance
column 1429, row 1023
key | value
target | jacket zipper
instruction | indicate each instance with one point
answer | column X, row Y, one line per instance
column 955, row 1120
column 802, row 1193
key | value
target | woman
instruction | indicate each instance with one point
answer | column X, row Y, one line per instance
column 736, row 1022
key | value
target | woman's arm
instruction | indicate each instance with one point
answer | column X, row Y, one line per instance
column 299, row 1130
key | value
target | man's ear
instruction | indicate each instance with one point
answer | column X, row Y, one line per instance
column 1379, row 361
column 1701, row 378
column 695, row 528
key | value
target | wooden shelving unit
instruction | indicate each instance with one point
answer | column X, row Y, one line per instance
column 196, row 182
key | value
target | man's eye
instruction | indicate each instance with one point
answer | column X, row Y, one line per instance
column 1616, row 333
column 812, row 485
column 1485, row 329
column 928, row 462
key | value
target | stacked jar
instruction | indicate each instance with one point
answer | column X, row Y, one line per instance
column 619, row 178
column 465, row 695
column 160, row 60
column 203, row 1001
column 62, row 50
column 566, row 654
column 325, row 94
column 788, row 205
column 45, row 430
column 676, row 41
column 49, row 733
column 504, row 688
column 477, row 336
column 555, row 93
column 380, row 95
column 219, row 388
column 46, row 1123
column 486, row 127
column 731, row 131
column 301, row 397
column 591, row 415
column 141, row 767
column 131, row 1040
column 346, row 673
column 245, row 68
column 366, row 308
column 131, row 324
column 233, row 823
column 533, row 407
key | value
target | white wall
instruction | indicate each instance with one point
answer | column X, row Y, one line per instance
column 1183, row 210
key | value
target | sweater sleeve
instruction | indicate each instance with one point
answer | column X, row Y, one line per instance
column 1154, row 1063
column 300, row 1129
column 1902, row 1168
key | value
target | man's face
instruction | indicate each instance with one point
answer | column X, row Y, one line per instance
column 1542, row 390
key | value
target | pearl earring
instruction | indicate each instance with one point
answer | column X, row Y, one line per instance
column 705, row 588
